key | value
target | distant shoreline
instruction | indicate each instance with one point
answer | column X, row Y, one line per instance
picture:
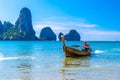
column 56, row 41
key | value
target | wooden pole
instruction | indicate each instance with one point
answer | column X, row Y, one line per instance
column 63, row 39
column 63, row 42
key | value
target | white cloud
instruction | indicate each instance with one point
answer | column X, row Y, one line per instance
column 62, row 24
column 99, row 32
column 101, row 35
column 87, row 30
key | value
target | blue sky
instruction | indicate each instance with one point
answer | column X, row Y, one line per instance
column 93, row 19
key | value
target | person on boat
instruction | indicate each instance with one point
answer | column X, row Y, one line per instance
column 86, row 46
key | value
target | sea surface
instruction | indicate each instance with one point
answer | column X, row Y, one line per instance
column 45, row 60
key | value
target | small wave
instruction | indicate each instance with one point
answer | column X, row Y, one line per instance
column 99, row 51
column 8, row 58
column 15, row 58
column 2, row 58
column 26, row 57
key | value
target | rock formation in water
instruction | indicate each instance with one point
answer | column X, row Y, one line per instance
column 47, row 34
column 24, row 23
column 4, row 30
column 6, row 26
column 1, row 28
column 22, row 30
column 73, row 35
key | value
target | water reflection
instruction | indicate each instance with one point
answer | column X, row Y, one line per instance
column 24, row 68
column 24, row 63
column 72, row 66
column 76, row 62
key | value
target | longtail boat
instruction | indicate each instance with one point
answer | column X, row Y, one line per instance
column 73, row 52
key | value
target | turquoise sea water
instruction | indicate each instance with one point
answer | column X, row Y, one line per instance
column 45, row 60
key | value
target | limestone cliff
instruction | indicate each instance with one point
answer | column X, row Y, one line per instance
column 47, row 34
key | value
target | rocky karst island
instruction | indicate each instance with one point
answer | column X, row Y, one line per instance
column 23, row 30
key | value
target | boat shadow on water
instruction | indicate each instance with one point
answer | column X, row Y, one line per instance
column 72, row 66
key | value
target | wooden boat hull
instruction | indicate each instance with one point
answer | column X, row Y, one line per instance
column 72, row 52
